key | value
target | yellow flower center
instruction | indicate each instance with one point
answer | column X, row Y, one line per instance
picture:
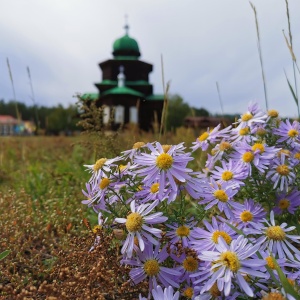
column 225, row 146
column 122, row 167
column 274, row 296
column 154, row 188
column 227, row 175
column 227, row 238
column 213, row 151
column 96, row 228
column 283, row 151
column 151, row 267
column 138, row 145
column 190, row 264
column 214, row 291
column 230, row 260
column 261, row 132
column 270, row 262
column 248, row 157
column 293, row 133
column 273, row 113
column 283, row 170
column 166, row 148
column 99, row 164
column 203, row 136
column 104, row 183
column 136, row 241
column 291, row 281
column 284, row 204
column 188, row 292
column 221, row 195
column 259, row 147
column 183, row 231
column 246, row 117
column 164, row 161
column 297, row 155
column 275, row 233
column 246, row 216
column 134, row 222
column 244, row 131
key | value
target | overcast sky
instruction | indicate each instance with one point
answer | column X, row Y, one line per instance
column 201, row 41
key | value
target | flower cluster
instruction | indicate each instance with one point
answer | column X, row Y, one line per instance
column 227, row 230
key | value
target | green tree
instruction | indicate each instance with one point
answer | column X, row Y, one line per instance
column 200, row 112
column 62, row 119
column 177, row 111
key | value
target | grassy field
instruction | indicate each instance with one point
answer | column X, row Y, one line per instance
column 40, row 193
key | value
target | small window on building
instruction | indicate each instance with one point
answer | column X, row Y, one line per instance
column 106, row 114
column 133, row 115
column 119, row 114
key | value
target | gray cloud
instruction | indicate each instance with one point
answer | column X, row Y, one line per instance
column 202, row 41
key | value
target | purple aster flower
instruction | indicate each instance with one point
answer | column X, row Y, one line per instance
column 232, row 262
column 149, row 264
column 89, row 194
column 274, row 237
column 188, row 292
column 102, row 166
column 215, row 294
column 232, row 172
column 180, row 233
column 281, row 173
column 167, row 294
column 136, row 149
column 101, row 187
column 295, row 156
column 151, row 193
column 217, row 153
column 137, row 226
column 192, row 186
column 207, row 239
column 188, row 263
column 164, row 166
column 253, row 116
column 288, row 132
column 270, row 263
column 220, row 194
column 242, row 135
column 294, row 268
column 259, row 155
column 210, row 137
column 287, row 202
column 248, row 212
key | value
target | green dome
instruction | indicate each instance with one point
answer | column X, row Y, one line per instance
column 126, row 46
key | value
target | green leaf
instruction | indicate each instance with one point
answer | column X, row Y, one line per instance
column 292, row 90
column 4, row 254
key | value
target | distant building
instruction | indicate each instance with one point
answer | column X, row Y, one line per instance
column 205, row 122
column 125, row 87
column 12, row 126
column 9, row 125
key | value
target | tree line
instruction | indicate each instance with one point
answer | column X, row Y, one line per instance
column 56, row 119
column 49, row 120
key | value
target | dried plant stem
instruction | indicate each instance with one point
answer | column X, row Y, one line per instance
column 13, row 88
column 260, row 56
column 163, row 121
column 220, row 98
column 34, row 102
column 290, row 46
